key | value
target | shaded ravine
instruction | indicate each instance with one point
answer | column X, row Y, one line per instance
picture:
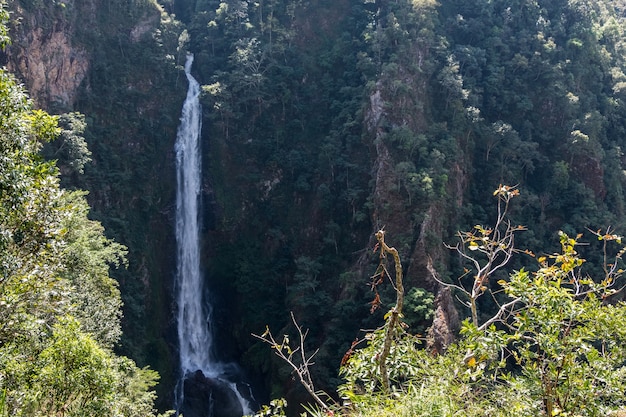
column 207, row 387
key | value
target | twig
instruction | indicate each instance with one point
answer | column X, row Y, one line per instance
column 284, row 351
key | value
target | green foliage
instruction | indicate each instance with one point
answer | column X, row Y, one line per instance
column 418, row 309
column 566, row 341
column 472, row 93
column 276, row 408
column 5, row 39
column 70, row 149
column 305, row 294
column 556, row 346
column 537, row 75
column 361, row 374
column 32, row 217
column 129, row 52
column 430, row 386
column 88, row 255
column 59, row 308
column 133, row 390
column 72, row 375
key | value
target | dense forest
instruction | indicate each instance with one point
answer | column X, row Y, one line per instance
column 323, row 123
column 60, row 309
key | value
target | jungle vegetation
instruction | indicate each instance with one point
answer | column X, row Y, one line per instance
column 553, row 346
column 59, row 307
column 326, row 121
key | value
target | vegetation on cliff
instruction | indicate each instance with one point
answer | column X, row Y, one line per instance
column 117, row 62
column 59, row 308
column 402, row 115
column 325, row 121
column 553, row 346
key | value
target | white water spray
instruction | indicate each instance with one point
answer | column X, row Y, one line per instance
column 194, row 333
column 194, row 336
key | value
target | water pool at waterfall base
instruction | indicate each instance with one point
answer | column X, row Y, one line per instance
column 214, row 396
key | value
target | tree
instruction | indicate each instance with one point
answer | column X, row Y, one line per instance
column 565, row 340
column 70, row 149
column 59, row 308
column 72, row 375
column 94, row 295
column 296, row 357
column 487, row 250
column 555, row 346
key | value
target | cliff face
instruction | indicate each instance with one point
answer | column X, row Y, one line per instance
column 300, row 166
column 45, row 55
column 114, row 61
column 51, row 67
column 397, row 115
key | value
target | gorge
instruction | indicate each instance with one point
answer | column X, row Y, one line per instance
column 327, row 121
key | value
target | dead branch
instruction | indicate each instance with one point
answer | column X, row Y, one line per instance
column 395, row 313
column 300, row 366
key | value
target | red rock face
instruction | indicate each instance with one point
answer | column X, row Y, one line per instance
column 445, row 323
column 51, row 67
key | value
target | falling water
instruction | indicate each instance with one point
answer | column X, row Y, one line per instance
column 194, row 332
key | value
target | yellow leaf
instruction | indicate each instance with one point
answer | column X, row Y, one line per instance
column 266, row 332
column 471, row 362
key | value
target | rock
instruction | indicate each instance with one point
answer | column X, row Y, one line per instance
column 209, row 397
column 51, row 65
column 445, row 323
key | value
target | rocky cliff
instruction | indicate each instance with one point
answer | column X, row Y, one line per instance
column 323, row 122
column 291, row 193
column 44, row 54
column 114, row 62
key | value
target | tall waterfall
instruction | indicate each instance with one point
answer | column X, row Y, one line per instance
column 210, row 379
column 194, row 336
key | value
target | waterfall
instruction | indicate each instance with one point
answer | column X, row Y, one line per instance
column 194, row 314
column 194, row 335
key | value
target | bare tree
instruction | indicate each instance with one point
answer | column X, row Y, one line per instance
column 487, row 250
column 395, row 313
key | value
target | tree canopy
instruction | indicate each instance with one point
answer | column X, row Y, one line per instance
column 59, row 308
column 323, row 121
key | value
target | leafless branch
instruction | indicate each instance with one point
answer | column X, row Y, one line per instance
column 498, row 316
column 487, row 250
column 301, row 366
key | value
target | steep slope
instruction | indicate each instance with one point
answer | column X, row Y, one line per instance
column 114, row 61
column 323, row 122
